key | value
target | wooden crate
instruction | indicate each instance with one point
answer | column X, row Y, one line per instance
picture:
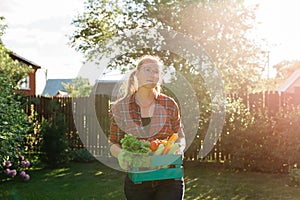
column 174, row 172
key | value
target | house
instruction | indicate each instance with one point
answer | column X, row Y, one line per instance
column 54, row 87
column 291, row 84
column 28, row 86
column 105, row 87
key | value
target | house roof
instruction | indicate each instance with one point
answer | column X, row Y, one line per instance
column 54, row 85
column 24, row 60
column 105, row 86
column 289, row 81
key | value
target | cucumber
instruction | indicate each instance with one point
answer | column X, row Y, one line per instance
column 174, row 148
column 159, row 150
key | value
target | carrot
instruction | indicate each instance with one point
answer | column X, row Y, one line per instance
column 167, row 148
column 173, row 137
column 170, row 143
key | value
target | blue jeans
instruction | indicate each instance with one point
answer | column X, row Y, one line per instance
column 154, row 190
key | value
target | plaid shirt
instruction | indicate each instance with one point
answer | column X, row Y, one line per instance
column 126, row 118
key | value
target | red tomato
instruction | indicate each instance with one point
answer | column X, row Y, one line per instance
column 154, row 145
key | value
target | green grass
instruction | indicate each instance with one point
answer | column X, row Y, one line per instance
column 96, row 181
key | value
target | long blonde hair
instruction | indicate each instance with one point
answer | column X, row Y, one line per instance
column 132, row 85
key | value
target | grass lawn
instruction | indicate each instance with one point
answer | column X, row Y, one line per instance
column 96, row 181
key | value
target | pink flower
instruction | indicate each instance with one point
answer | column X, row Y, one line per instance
column 26, row 177
column 8, row 163
column 23, row 164
column 7, row 171
column 22, row 158
column 22, row 174
column 13, row 173
column 27, row 163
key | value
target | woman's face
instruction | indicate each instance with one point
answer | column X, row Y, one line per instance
column 148, row 75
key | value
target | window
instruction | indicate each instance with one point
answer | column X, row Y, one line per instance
column 24, row 83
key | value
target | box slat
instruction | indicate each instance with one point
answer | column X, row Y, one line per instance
column 161, row 160
column 176, row 172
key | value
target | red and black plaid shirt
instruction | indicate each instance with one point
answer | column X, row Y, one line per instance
column 126, row 118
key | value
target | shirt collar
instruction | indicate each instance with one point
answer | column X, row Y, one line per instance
column 132, row 97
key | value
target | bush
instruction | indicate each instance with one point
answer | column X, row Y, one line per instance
column 251, row 140
column 54, row 145
column 258, row 141
column 14, row 124
column 288, row 138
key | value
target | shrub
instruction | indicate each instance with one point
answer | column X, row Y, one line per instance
column 287, row 130
column 14, row 124
column 250, row 140
column 13, row 121
column 258, row 141
column 54, row 145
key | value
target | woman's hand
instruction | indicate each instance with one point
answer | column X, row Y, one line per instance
column 122, row 161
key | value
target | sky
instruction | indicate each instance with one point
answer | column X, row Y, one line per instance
column 280, row 26
column 38, row 30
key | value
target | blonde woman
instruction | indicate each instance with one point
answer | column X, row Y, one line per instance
column 147, row 114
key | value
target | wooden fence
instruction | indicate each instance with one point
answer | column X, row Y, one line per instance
column 87, row 118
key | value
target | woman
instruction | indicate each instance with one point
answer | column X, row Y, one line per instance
column 147, row 114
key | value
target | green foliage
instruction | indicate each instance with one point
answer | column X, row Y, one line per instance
column 249, row 139
column 3, row 26
column 288, row 138
column 14, row 123
column 11, row 69
column 54, row 146
column 221, row 27
column 258, row 141
column 79, row 87
column 132, row 144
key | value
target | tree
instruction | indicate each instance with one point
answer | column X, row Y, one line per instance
column 3, row 26
column 79, row 87
column 223, row 29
